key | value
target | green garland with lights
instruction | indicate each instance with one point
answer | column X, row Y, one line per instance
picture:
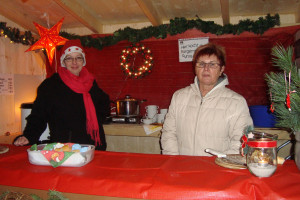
column 176, row 26
column 15, row 35
column 127, row 61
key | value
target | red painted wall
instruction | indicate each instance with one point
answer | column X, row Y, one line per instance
column 248, row 59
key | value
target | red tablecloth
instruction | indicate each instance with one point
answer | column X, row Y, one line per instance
column 149, row 176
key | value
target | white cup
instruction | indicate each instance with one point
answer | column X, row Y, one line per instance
column 161, row 118
column 151, row 110
column 147, row 121
column 163, row 111
column 151, row 113
column 152, row 107
column 154, row 118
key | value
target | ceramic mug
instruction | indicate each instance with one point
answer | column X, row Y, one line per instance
column 163, row 111
column 154, row 118
column 160, row 118
column 152, row 107
column 151, row 110
column 147, row 121
column 151, row 113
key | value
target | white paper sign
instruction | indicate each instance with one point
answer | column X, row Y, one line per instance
column 6, row 84
column 187, row 47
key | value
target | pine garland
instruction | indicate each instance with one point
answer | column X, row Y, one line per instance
column 279, row 87
column 176, row 26
column 52, row 195
column 15, row 35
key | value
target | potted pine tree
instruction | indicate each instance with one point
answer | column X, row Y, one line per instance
column 284, row 88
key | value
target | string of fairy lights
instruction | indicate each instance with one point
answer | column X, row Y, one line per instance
column 127, row 61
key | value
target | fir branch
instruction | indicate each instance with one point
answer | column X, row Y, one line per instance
column 55, row 195
column 4, row 194
column 35, row 197
column 282, row 58
column 280, row 86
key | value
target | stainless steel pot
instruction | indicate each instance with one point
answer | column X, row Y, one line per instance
column 128, row 107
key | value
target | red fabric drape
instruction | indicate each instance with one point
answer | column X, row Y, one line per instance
column 150, row 176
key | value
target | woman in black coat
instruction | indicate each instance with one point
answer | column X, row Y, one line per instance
column 71, row 102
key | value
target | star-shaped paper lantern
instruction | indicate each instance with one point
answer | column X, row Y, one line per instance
column 49, row 39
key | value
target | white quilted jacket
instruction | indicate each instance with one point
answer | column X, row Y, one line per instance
column 215, row 121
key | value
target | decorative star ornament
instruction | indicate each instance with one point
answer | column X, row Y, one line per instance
column 49, row 39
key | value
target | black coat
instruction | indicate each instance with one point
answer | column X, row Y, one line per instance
column 65, row 113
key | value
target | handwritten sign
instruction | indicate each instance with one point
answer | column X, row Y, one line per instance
column 6, row 84
column 187, row 47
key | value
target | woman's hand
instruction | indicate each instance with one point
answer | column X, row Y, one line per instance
column 21, row 141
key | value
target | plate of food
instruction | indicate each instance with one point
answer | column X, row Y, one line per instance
column 232, row 161
column 61, row 154
column 3, row 149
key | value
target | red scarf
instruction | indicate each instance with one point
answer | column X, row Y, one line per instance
column 82, row 84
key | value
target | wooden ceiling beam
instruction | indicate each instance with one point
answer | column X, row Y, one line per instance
column 149, row 10
column 82, row 15
column 225, row 11
column 19, row 18
column 297, row 15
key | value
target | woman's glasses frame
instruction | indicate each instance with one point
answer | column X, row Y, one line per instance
column 78, row 59
column 210, row 65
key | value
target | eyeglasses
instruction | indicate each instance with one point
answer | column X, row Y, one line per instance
column 210, row 65
column 78, row 59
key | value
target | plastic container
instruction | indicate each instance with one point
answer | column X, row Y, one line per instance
column 262, row 116
column 77, row 159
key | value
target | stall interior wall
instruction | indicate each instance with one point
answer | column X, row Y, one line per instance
column 248, row 60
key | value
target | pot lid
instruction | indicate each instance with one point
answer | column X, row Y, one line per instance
column 127, row 98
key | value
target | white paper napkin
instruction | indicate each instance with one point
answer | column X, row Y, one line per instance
column 151, row 128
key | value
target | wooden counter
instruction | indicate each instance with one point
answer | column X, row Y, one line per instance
column 133, row 138
column 8, row 139
column 129, row 130
column 138, row 130
column 121, row 138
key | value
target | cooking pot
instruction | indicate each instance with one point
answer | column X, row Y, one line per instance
column 128, row 107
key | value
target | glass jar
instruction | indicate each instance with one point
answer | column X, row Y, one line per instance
column 262, row 154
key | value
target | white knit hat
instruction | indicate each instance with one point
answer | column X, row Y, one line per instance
column 72, row 46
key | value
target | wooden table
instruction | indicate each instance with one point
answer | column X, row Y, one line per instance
column 113, row 175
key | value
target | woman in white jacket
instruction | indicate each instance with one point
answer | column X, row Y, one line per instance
column 205, row 114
